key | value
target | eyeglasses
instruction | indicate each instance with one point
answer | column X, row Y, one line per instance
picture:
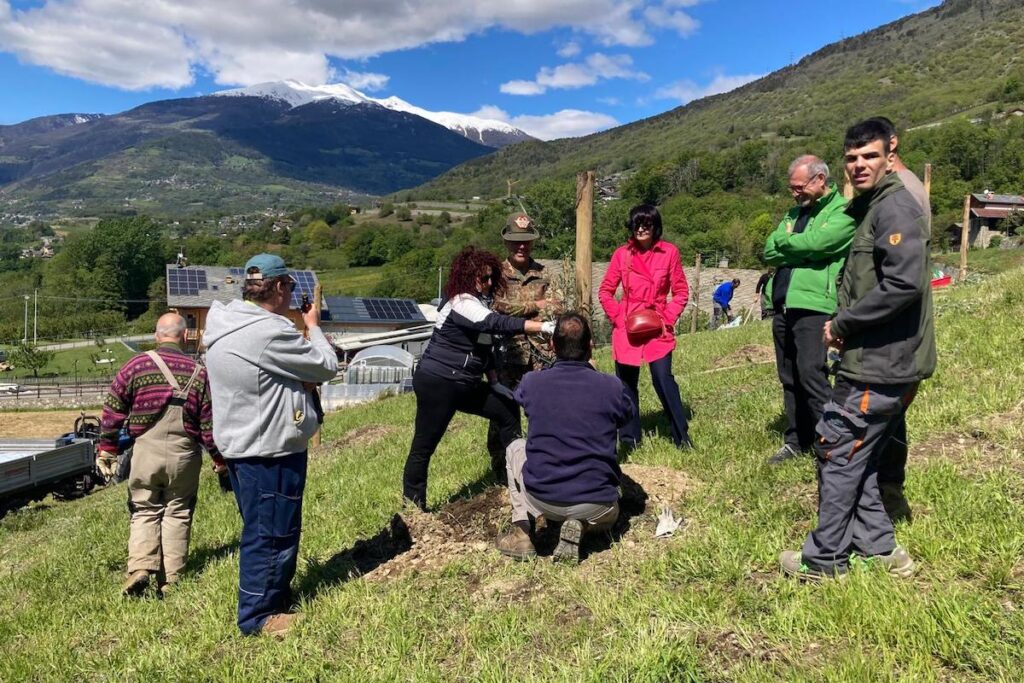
column 292, row 284
column 643, row 227
column 485, row 278
column 797, row 189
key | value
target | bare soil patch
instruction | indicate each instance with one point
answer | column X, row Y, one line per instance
column 416, row 541
column 361, row 436
column 749, row 354
column 42, row 424
column 977, row 450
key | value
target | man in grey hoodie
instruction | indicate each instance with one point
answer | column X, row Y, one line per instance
column 262, row 373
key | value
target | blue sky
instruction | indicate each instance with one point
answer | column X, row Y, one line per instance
column 554, row 67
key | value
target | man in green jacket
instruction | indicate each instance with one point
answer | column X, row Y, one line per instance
column 807, row 249
column 885, row 329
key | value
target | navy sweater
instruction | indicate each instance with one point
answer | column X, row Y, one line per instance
column 574, row 412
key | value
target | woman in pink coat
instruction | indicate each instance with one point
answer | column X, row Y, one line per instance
column 648, row 269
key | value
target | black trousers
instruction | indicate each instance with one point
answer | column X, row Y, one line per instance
column 802, row 362
column 437, row 400
column 668, row 393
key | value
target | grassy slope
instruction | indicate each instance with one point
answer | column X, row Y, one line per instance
column 707, row 605
column 356, row 281
column 923, row 68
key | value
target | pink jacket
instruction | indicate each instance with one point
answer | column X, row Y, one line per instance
column 643, row 288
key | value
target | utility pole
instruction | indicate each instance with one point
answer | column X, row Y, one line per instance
column 584, row 242
column 965, row 237
column 24, row 337
column 35, row 319
column 439, row 301
column 696, row 293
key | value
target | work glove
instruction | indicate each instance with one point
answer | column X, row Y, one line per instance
column 547, row 327
column 503, row 391
column 667, row 523
column 106, row 464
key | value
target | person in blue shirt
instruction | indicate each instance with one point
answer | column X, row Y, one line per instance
column 722, row 300
column 566, row 469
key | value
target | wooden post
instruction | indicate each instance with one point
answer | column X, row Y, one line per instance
column 696, row 293
column 847, row 185
column 965, row 238
column 584, row 241
column 318, row 292
column 928, row 182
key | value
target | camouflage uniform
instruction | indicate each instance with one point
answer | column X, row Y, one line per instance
column 518, row 354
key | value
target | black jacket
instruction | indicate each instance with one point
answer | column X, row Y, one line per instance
column 885, row 300
column 460, row 346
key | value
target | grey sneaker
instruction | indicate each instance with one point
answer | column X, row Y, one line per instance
column 568, row 548
column 517, row 545
column 898, row 563
column 785, row 453
column 792, row 564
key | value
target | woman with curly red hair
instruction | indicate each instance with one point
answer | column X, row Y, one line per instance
column 449, row 377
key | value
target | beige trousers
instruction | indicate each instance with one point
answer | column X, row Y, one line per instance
column 162, row 489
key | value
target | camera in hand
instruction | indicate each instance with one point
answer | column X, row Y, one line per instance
column 306, row 303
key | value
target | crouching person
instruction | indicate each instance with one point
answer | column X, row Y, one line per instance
column 566, row 469
column 261, row 370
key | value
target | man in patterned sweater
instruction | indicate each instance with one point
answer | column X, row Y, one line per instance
column 164, row 397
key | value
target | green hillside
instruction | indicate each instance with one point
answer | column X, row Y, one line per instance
column 963, row 56
column 706, row 605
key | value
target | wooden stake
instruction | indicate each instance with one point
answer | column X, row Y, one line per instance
column 318, row 292
column 928, row 181
column 584, row 239
column 696, row 293
column 965, row 237
column 847, row 185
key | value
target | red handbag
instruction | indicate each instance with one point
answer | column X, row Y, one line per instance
column 644, row 324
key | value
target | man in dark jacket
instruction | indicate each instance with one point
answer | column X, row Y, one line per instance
column 885, row 329
column 808, row 249
column 566, row 469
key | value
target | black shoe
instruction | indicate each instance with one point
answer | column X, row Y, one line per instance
column 785, row 453
column 686, row 443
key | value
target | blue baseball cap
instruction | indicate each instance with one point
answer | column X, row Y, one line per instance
column 267, row 266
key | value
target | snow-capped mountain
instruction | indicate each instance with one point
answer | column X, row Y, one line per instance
column 489, row 132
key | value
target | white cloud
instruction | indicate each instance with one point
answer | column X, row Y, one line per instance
column 610, row 101
column 596, row 67
column 522, row 88
column 137, row 45
column 681, row 22
column 567, row 123
column 569, row 50
column 687, row 90
column 365, row 80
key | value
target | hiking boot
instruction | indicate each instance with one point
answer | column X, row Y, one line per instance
column 568, row 548
column 165, row 588
column 135, row 584
column 898, row 563
column 277, row 625
column 785, row 453
column 895, row 503
column 792, row 564
column 516, row 544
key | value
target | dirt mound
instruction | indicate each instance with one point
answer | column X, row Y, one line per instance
column 362, row 436
column 751, row 353
column 416, row 541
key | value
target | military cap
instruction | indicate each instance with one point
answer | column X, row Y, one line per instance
column 519, row 228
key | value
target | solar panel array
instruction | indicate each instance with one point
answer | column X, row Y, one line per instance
column 305, row 282
column 388, row 309
column 186, row 281
column 237, row 271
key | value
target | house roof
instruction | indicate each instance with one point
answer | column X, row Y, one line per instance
column 995, row 211
column 372, row 310
column 200, row 286
column 1013, row 199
